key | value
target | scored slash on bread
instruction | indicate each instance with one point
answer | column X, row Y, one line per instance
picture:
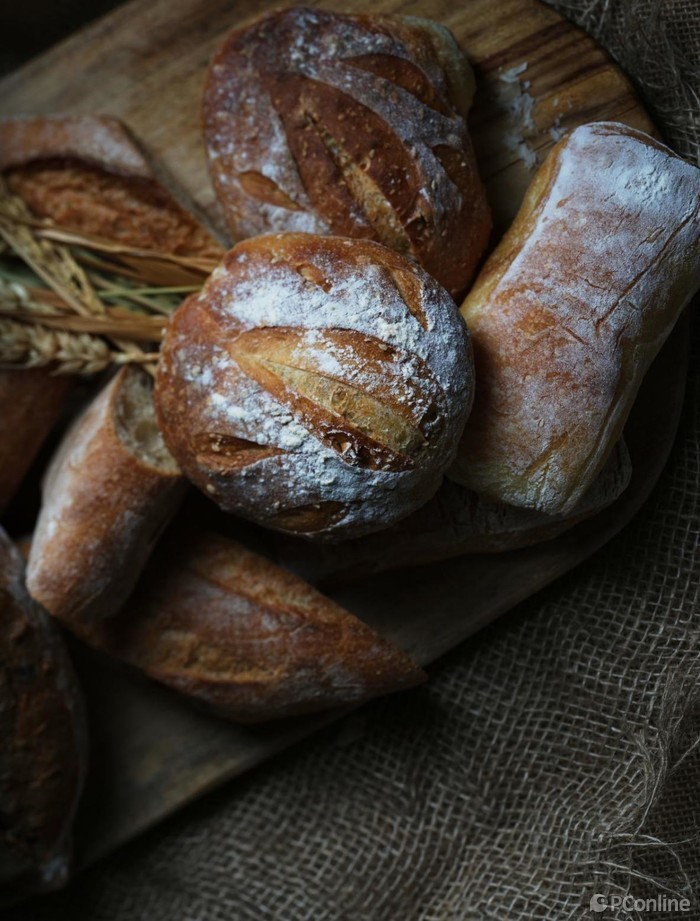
column 316, row 385
column 244, row 637
column 353, row 126
column 109, row 491
column 570, row 310
column 85, row 174
column 43, row 744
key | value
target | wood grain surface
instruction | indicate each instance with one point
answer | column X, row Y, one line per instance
column 537, row 76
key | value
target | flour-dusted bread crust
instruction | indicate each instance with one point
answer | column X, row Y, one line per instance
column 87, row 173
column 316, row 385
column 244, row 637
column 570, row 310
column 349, row 125
column 43, row 740
column 455, row 522
column 107, row 495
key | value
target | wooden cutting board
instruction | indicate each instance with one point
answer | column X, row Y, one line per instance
column 537, row 76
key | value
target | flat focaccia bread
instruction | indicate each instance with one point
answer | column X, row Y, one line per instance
column 349, row 125
column 570, row 310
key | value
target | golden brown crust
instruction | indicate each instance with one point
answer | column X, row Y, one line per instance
column 317, row 384
column 349, row 125
column 570, row 310
column 43, row 750
column 104, row 506
column 239, row 634
column 87, row 174
column 30, row 404
column 455, row 522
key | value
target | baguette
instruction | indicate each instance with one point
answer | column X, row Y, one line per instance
column 244, row 637
column 570, row 310
column 107, row 495
column 353, row 126
column 44, row 743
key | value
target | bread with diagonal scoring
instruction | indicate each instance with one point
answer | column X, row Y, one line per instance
column 317, row 385
column 239, row 634
column 351, row 125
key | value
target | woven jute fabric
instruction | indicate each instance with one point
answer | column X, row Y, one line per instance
column 553, row 758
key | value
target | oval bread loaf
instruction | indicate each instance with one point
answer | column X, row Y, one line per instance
column 316, row 385
column 237, row 633
column 43, row 733
column 87, row 174
column 571, row 308
column 349, row 125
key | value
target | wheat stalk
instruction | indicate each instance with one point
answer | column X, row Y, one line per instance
column 31, row 345
column 51, row 261
column 96, row 288
column 54, row 262
column 29, row 305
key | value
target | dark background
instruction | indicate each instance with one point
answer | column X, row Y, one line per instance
column 28, row 27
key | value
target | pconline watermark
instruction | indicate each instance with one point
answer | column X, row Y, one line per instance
column 600, row 902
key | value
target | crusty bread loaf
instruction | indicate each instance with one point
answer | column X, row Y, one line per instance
column 87, row 174
column 456, row 521
column 30, row 404
column 317, row 385
column 570, row 310
column 349, row 125
column 43, row 733
column 239, row 634
column 107, row 495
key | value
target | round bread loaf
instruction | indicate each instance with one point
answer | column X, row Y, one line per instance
column 351, row 125
column 316, row 385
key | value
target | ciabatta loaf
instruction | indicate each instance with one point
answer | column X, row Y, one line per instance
column 351, row 125
column 570, row 310
column 107, row 495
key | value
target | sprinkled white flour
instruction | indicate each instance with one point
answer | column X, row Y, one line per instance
column 300, row 328
column 609, row 258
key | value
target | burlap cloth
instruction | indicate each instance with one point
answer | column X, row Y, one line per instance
column 554, row 757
